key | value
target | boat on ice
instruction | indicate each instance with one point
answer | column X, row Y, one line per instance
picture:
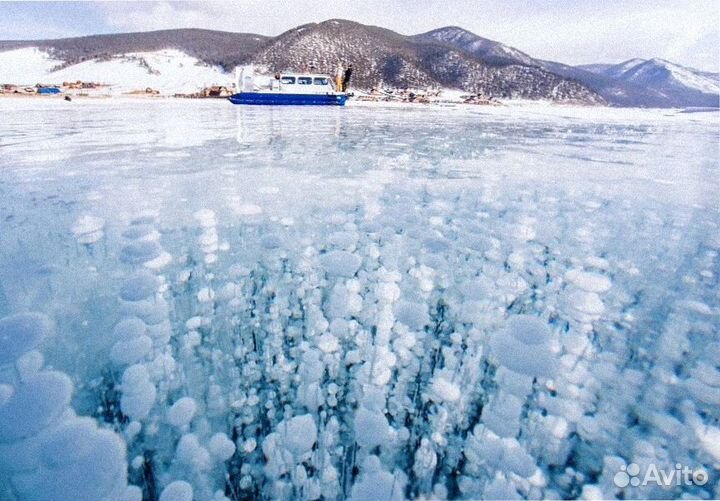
column 287, row 89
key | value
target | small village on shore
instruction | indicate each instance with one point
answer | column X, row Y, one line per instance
column 81, row 89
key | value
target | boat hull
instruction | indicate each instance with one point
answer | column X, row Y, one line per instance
column 279, row 98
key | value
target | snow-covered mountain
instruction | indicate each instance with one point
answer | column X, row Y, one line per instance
column 662, row 75
column 380, row 56
column 612, row 70
column 383, row 56
column 445, row 57
column 636, row 82
column 218, row 48
column 483, row 48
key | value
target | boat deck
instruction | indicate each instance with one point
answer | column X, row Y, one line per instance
column 285, row 98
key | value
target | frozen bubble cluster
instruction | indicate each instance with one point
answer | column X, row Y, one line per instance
column 88, row 229
column 480, row 303
column 46, row 450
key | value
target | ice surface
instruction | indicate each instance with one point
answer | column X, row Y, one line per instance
column 526, row 346
column 709, row 437
column 21, row 333
column 79, row 462
column 130, row 351
column 376, row 484
column 298, row 434
column 221, row 446
column 191, row 454
column 588, row 281
column 140, row 252
column 139, row 287
column 138, row 392
column 414, row 315
column 444, row 390
column 34, row 405
column 341, row 263
column 88, row 229
column 129, row 328
column 371, row 428
column 182, row 412
column 379, row 303
column 179, row 490
column 46, row 450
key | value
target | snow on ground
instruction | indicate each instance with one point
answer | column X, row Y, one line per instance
column 213, row 302
column 169, row 71
column 26, row 66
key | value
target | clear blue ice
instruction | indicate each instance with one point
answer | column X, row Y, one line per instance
column 201, row 301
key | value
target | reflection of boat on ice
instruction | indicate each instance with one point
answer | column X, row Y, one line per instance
column 268, row 129
column 287, row 89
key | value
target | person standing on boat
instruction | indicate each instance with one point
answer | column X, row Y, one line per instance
column 346, row 77
column 339, row 77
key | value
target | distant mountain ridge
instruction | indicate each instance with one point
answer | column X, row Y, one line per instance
column 677, row 83
column 381, row 55
column 447, row 57
column 221, row 48
column 636, row 82
column 488, row 50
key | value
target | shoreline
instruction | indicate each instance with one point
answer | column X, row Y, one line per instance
column 352, row 103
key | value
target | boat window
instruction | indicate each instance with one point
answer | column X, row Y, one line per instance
column 287, row 80
column 304, row 80
column 320, row 81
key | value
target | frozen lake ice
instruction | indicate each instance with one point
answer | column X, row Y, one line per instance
column 202, row 301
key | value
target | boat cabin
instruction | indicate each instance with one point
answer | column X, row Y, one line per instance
column 292, row 83
column 286, row 89
column 301, row 83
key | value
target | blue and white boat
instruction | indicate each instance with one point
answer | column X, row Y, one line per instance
column 287, row 89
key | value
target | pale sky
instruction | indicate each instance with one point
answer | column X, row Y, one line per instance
column 573, row 32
